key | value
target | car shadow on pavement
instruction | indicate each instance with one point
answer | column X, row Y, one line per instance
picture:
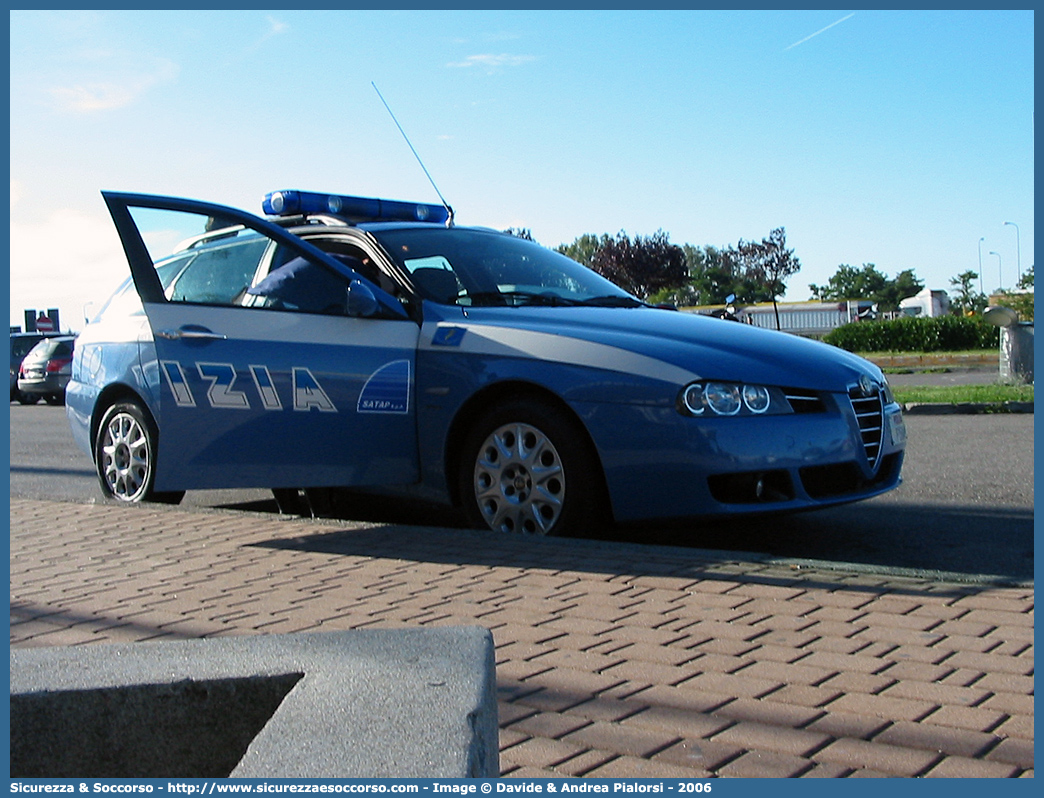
column 994, row 544
column 975, row 540
column 461, row 547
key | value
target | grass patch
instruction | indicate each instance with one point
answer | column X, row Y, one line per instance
column 994, row 393
column 956, row 354
column 908, row 370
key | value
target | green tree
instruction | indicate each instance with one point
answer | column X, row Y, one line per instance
column 1021, row 300
column 713, row 275
column 768, row 264
column 1026, row 281
column 966, row 300
column 720, row 272
column 849, row 282
column 895, row 291
column 584, row 248
column 711, row 279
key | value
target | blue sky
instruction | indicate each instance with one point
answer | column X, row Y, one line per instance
column 897, row 138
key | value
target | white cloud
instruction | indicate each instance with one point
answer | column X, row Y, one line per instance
column 110, row 94
column 94, row 97
column 275, row 28
column 491, row 61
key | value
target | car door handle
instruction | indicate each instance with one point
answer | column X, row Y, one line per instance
column 195, row 334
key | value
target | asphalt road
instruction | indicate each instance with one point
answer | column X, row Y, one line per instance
column 966, row 505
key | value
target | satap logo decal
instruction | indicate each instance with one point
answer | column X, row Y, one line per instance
column 387, row 390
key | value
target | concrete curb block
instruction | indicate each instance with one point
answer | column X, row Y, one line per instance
column 965, row 408
column 409, row 703
column 987, row 359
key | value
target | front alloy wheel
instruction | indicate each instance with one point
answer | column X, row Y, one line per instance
column 528, row 469
column 519, row 480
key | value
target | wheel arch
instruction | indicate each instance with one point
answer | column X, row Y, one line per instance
column 489, row 397
column 110, row 395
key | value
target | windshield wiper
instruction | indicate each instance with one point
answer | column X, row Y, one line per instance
column 550, row 298
column 613, row 301
column 516, row 298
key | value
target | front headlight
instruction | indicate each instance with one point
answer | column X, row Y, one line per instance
column 730, row 399
column 756, row 398
column 723, row 398
column 692, row 398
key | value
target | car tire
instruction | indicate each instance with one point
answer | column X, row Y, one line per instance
column 54, row 399
column 528, row 468
column 27, row 398
column 125, row 454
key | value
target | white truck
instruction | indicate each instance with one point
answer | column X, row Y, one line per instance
column 928, row 302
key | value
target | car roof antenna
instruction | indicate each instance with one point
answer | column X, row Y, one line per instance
column 449, row 210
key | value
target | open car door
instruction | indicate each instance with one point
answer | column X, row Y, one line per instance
column 252, row 392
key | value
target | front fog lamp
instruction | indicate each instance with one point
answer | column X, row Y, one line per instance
column 756, row 398
column 722, row 398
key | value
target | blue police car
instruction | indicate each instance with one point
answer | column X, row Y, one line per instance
column 343, row 343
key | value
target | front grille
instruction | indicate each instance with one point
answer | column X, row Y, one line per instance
column 869, row 412
column 802, row 401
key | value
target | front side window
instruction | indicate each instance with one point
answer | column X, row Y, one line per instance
column 300, row 285
column 295, row 283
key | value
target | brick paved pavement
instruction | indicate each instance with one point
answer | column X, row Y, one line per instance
column 612, row 659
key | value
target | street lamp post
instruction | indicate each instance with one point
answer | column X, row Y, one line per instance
column 982, row 289
column 1000, row 278
column 1018, row 249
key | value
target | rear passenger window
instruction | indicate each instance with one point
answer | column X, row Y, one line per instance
column 218, row 276
column 201, row 259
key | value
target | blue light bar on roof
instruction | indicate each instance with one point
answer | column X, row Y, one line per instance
column 353, row 209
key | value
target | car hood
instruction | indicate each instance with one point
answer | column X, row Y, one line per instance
column 694, row 346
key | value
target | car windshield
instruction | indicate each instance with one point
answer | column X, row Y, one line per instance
column 479, row 267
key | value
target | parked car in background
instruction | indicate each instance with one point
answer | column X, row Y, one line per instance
column 21, row 343
column 45, row 371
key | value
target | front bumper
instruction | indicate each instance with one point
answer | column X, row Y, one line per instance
column 659, row 464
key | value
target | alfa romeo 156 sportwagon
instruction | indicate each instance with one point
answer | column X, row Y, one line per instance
column 341, row 342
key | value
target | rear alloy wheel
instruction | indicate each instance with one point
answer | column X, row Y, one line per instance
column 527, row 470
column 125, row 453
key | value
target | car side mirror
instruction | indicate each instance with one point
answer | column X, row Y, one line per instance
column 361, row 301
